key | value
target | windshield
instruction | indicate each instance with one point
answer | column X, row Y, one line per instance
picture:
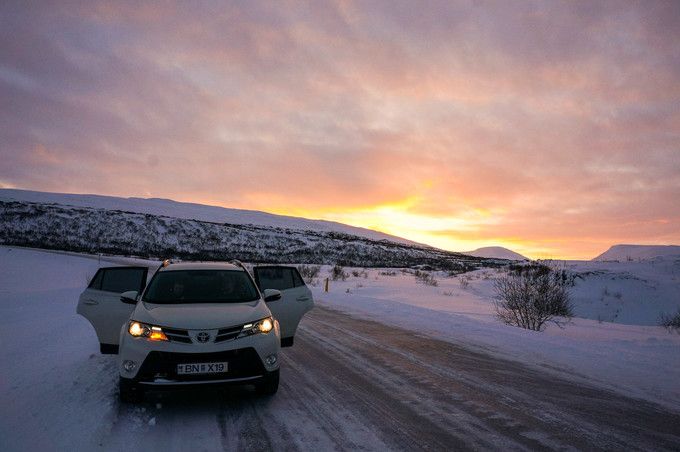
column 200, row 286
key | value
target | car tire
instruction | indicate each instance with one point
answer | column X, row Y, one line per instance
column 129, row 391
column 108, row 349
column 269, row 384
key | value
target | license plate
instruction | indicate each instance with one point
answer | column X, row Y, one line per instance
column 202, row 368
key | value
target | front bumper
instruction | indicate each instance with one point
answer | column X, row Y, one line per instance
column 155, row 363
column 160, row 368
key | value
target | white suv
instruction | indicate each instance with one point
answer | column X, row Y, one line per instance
column 195, row 323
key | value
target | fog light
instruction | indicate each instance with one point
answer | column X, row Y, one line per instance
column 129, row 366
column 271, row 360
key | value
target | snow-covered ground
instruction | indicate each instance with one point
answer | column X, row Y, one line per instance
column 57, row 392
column 634, row 356
column 46, row 350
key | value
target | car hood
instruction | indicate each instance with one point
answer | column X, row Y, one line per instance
column 200, row 316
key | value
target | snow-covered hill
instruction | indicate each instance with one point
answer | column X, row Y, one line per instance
column 99, row 230
column 638, row 252
column 496, row 252
column 191, row 211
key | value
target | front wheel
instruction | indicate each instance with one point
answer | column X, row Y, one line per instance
column 269, row 384
column 129, row 391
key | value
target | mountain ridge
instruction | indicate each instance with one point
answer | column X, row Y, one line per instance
column 195, row 211
column 627, row 252
column 496, row 252
column 116, row 232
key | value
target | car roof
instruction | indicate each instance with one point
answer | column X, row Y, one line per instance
column 201, row 266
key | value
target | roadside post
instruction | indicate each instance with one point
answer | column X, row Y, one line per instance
column 325, row 285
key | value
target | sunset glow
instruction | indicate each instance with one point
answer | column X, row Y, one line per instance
column 551, row 128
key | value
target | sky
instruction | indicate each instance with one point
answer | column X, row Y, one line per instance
column 551, row 128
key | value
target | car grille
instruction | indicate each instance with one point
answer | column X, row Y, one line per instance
column 243, row 363
column 226, row 334
column 182, row 336
column 177, row 335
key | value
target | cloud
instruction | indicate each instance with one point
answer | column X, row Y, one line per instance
column 552, row 127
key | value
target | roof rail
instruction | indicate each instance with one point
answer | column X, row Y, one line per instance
column 167, row 262
column 238, row 263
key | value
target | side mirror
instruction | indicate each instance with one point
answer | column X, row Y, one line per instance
column 271, row 295
column 129, row 297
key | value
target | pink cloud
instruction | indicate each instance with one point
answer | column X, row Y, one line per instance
column 559, row 121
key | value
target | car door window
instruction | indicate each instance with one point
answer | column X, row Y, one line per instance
column 278, row 278
column 122, row 279
column 96, row 282
column 297, row 279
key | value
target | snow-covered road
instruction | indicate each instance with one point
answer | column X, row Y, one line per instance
column 348, row 383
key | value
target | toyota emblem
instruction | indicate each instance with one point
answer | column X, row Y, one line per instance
column 203, row 337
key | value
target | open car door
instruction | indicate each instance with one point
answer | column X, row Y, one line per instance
column 296, row 298
column 100, row 303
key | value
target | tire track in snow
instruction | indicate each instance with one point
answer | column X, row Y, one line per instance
column 353, row 384
column 521, row 404
column 241, row 428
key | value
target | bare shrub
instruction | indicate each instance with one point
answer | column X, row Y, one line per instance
column 566, row 277
column 532, row 296
column 425, row 278
column 670, row 321
column 465, row 281
column 309, row 272
column 338, row 272
column 457, row 268
column 388, row 273
column 360, row 273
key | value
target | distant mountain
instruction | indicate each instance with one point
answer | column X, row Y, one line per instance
column 191, row 211
column 638, row 252
column 496, row 252
column 114, row 231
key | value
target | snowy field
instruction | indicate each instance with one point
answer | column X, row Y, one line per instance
column 57, row 392
column 613, row 341
column 47, row 351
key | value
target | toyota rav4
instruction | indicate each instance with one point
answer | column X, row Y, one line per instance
column 195, row 323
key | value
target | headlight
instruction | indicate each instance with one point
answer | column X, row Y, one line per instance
column 261, row 326
column 153, row 333
column 265, row 325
